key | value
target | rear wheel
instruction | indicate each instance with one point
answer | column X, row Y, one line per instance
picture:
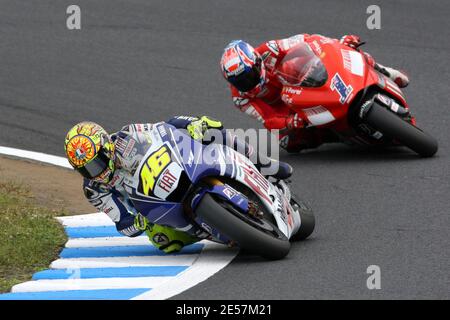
column 255, row 235
column 396, row 128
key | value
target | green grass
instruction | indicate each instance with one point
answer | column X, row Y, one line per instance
column 30, row 236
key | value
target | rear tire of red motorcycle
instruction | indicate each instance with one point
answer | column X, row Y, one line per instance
column 247, row 236
column 392, row 126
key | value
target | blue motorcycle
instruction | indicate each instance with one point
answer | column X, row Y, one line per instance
column 215, row 193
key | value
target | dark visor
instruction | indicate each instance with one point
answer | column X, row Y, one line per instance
column 247, row 80
column 95, row 167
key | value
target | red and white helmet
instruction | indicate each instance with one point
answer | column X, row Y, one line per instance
column 242, row 67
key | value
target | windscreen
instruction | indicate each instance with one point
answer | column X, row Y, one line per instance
column 301, row 67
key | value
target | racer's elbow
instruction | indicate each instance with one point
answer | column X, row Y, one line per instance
column 128, row 231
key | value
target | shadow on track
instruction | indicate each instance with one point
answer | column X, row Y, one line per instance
column 246, row 257
column 342, row 153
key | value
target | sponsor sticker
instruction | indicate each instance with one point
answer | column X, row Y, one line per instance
column 353, row 62
column 167, row 181
column 207, row 228
column 385, row 100
column 318, row 115
column 338, row 85
column 229, row 192
column 125, row 146
column 162, row 131
column 293, row 91
column 364, row 108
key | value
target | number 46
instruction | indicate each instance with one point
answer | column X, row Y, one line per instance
column 153, row 167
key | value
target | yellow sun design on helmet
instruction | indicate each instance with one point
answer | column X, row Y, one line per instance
column 80, row 150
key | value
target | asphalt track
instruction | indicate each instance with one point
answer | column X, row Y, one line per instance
column 144, row 61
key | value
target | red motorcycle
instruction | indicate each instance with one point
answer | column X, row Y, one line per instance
column 336, row 90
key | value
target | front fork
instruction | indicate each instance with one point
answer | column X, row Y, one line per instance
column 203, row 230
column 387, row 103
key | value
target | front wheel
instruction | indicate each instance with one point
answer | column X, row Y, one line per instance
column 396, row 128
column 259, row 237
column 307, row 219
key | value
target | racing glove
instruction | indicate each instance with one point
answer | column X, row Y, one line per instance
column 164, row 238
column 197, row 128
column 351, row 41
column 294, row 122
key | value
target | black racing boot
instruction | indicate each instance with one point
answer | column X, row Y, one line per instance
column 284, row 170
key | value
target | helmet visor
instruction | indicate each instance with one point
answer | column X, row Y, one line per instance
column 247, row 80
column 95, row 167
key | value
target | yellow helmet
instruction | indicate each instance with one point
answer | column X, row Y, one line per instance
column 90, row 151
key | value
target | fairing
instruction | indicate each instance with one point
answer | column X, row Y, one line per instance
column 196, row 161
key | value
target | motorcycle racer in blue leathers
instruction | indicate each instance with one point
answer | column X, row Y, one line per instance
column 105, row 161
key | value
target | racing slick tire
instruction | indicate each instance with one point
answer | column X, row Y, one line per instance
column 222, row 216
column 396, row 128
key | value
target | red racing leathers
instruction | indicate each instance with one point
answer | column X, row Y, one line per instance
column 267, row 105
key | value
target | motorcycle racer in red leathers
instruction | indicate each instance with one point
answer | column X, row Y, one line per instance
column 256, row 90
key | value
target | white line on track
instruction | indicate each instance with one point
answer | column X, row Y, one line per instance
column 107, row 242
column 114, row 262
column 86, row 220
column 213, row 258
column 36, row 156
column 90, row 284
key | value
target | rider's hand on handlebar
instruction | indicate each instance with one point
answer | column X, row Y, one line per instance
column 351, row 41
column 197, row 128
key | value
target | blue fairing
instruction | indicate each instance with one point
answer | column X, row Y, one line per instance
column 197, row 161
